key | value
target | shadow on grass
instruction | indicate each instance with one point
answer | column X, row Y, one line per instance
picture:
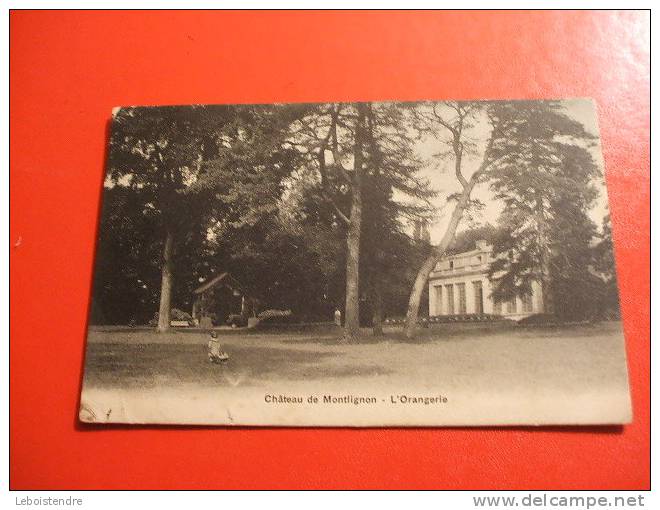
column 424, row 335
column 163, row 365
column 261, row 329
column 468, row 331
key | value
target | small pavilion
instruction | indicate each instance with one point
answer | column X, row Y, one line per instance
column 219, row 298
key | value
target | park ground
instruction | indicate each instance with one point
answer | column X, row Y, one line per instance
column 490, row 373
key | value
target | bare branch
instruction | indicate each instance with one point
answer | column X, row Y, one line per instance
column 458, row 152
column 442, row 121
column 334, row 147
column 487, row 162
column 334, row 205
column 325, row 185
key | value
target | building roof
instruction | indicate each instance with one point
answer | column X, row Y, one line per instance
column 225, row 277
column 463, row 264
column 480, row 247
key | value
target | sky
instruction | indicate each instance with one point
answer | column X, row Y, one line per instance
column 441, row 177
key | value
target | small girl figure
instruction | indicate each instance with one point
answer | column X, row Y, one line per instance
column 215, row 354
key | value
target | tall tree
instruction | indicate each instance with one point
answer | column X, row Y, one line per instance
column 605, row 268
column 322, row 236
column 159, row 150
column 524, row 136
column 355, row 176
column 363, row 155
column 450, row 124
column 200, row 168
column 127, row 272
column 338, row 132
column 246, row 180
column 546, row 184
column 395, row 195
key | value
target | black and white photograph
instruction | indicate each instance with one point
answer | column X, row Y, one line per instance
column 429, row 263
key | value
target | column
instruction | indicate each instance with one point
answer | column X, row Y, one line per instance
column 438, row 300
column 450, row 300
column 432, row 303
column 469, row 297
column 488, row 301
column 537, row 297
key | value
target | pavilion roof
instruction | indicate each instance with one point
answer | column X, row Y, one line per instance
column 224, row 278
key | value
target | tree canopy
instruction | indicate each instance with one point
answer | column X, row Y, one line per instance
column 310, row 206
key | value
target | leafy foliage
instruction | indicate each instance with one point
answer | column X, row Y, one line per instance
column 266, row 192
column 545, row 179
column 127, row 271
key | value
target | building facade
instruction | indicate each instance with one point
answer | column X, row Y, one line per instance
column 459, row 285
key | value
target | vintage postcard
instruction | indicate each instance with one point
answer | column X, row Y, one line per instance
column 428, row 263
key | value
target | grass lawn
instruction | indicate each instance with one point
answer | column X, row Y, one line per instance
column 487, row 366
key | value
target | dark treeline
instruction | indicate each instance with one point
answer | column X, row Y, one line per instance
column 309, row 206
column 282, row 197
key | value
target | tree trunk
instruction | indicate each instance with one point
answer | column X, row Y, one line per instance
column 166, row 285
column 377, row 304
column 352, row 318
column 416, row 294
column 546, row 296
column 456, row 216
column 546, row 292
column 431, row 261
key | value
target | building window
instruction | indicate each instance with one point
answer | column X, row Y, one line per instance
column 478, row 297
column 438, row 300
column 462, row 303
column 497, row 307
column 527, row 305
column 511, row 306
column 450, row 299
column 451, row 264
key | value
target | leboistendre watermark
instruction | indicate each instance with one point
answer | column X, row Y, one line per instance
column 48, row 501
column 270, row 398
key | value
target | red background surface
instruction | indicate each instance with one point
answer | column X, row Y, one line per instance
column 68, row 69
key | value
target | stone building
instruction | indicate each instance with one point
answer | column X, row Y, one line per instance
column 459, row 285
